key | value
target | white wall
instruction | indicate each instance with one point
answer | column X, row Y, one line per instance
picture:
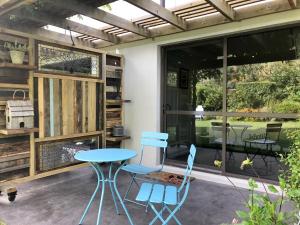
column 142, row 87
column 142, row 71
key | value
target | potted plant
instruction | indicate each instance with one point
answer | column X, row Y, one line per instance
column 17, row 51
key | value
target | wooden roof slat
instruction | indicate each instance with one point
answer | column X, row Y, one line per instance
column 146, row 20
column 200, row 14
column 152, row 22
column 197, row 11
column 120, row 32
column 160, row 12
column 67, row 24
column 156, row 24
column 191, row 6
column 243, row 3
column 202, row 6
column 116, row 31
column 111, row 29
column 223, row 7
column 100, row 15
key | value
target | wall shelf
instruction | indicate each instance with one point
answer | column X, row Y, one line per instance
column 13, row 86
column 17, row 66
column 117, row 139
column 18, row 131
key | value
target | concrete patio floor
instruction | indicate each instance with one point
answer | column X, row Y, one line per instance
column 60, row 200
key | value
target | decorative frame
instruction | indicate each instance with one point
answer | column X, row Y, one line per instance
column 183, row 79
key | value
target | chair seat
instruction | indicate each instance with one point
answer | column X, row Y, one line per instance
column 262, row 141
column 139, row 169
column 157, row 193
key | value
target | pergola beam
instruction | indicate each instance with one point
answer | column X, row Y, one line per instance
column 68, row 25
column 48, row 36
column 160, row 12
column 223, row 7
column 293, row 3
column 100, row 15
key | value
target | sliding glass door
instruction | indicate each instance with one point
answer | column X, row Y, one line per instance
column 234, row 98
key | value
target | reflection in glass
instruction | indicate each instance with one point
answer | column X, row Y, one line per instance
column 261, row 140
column 262, row 88
column 264, row 74
column 194, row 76
column 68, row 61
column 205, row 132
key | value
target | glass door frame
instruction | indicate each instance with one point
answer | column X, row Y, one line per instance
column 224, row 113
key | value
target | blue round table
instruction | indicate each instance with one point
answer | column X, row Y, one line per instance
column 107, row 155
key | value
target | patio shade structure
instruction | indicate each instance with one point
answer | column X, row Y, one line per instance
column 31, row 15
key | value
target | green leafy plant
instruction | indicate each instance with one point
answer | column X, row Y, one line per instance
column 16, row 46
column 290, row 177
column 209, row 95
column 261, row 208
column 2, row 223
column 287, row 106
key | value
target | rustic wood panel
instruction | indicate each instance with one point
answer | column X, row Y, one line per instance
column 78, row 108
column 57, row 107
column 41, row 107
column 84, row 106
column 91, row 106
column 47, row 107
column 68, row 88
column 13, row 146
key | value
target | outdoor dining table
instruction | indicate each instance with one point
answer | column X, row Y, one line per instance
column 110, row 156
column 244, row 127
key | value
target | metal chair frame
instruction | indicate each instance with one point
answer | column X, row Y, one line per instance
column 148, row 139
column 151, row 196
column 271, row 128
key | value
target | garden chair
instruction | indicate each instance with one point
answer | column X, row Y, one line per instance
column 148, row 139
column 271, row 138
column 169, row 197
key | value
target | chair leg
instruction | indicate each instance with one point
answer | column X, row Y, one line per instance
column 175, row 218
column 133, row 180
column 156, row 217
column 129, row 187
column 172, row 215
column 158, row 214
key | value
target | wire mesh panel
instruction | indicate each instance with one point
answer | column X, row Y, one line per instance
column 59, row 154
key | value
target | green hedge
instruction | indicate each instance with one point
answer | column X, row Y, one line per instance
column 251, row 95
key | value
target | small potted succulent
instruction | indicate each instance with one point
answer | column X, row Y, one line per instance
column 17, row 51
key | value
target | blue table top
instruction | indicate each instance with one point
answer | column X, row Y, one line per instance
column 105, row 155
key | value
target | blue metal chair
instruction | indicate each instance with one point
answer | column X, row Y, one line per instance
column 167, row 195
column 148, row 139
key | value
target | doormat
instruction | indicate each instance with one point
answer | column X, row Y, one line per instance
column 166, row 177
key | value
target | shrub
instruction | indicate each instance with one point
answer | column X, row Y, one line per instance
column 290, row 178
column 251, row 95
column 287, row 106
column 209, row 95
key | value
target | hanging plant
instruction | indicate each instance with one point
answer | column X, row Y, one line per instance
column 17, row 51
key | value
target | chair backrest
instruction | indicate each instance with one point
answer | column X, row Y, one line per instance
column 273, row 131
column 156, row 140
column 188, row 170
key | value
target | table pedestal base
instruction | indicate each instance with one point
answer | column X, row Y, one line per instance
column 102, row 180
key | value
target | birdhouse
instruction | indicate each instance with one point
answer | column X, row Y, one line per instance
column 19, row 114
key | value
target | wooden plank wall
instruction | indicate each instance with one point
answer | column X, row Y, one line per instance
column 67, row 106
